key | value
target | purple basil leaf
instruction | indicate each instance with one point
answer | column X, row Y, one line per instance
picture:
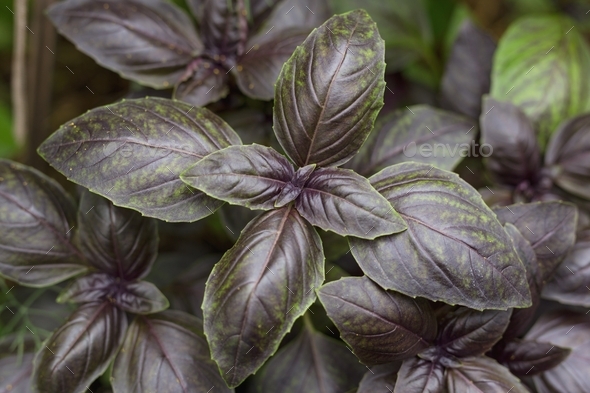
column 294, row 188
column 259, row 288
column 550, row 228
column 516, row 156
column 120, row 242
column 16, row 369
column 141, row 297
column 167, row 353
column 420, row 376
column 571, row 280
column 252, row 176
column 335, row 369
column 466, row 332
column 224, row 26
column 330, row 91
column 564, row 329
column 86, row 289
column 568, row 156
column 133, row 153
column 467, row 73
column 205, row 83
column 302, row 14
column 420, row 133
column 341, row 201
column 482, row 375
column 531, row 357
column 382, row 375
column 149, row 41
column 36, row 246
column 522, row 317
column 454, row 249
column 380, row 326
column 81, row 349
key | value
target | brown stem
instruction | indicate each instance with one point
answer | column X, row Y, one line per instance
column 18, row 85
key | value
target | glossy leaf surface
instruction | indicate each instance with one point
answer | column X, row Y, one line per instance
column 259, row 288
column 454, row 249
column 467, row 73
column 532, row 357
column 166, row 352
column 379, row 377
column 252, row 176
column 81, row 349
column 420, row 376
column 516, row 156
column 149, row 41
column 36, row 246
column 312, row 362
column 133, row 152
column 419, row 133
column 207, row 83
column 344, row 202
column 483, row 375
column 380, row 326
column 116, row 241
column 540, row 66
column 16, row 368
column 330, row 91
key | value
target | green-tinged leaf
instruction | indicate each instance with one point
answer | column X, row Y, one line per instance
column 516, row 157
column 330, row 91
column 80, row 350
column 116, row 241
column 252, row 176
column 258, row 289
column 550, row 228
column 206, row 83
column 568, row 156
column 467, row 73
column 16, row 368
column 571, row 280
column 540, row 66
column 166, row 353
column 482, row 375
column 420, row 376
column 564, row 329
column 133, row 153
column 378, row 377
column 454, row 250
column 344, row 202
column 420, row 133
column 403, row 24
column 312, row 362
column 380, row 326
column 467, row 332
column 531, row 357
column 149, row 41
column 36, row 246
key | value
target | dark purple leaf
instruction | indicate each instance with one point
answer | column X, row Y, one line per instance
column 420, row 376
column 380, row 378
column 224, row 26
column 550, row 228
column 295, row 187
column 259, row 288
column 133, row 152
column 572, row 278
column 89, row 288
column 380, row 326
column 454, row 250
column 564, row 329
column 516, row 156
column 16, row 368
column 251, row 176
column 167, row 353
column 568, row 156
column 205, row 82
column 420, row 133
column 482, row 375
column 301, row 14
column 467, row 332
column 81, row 349
column 330, row 91
column 150, row 41
column 141, row 297
column 312, row 362
column 467, row 73
column 344, row 202
column 531, row 357
column 36, row 228
column 117, row 241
